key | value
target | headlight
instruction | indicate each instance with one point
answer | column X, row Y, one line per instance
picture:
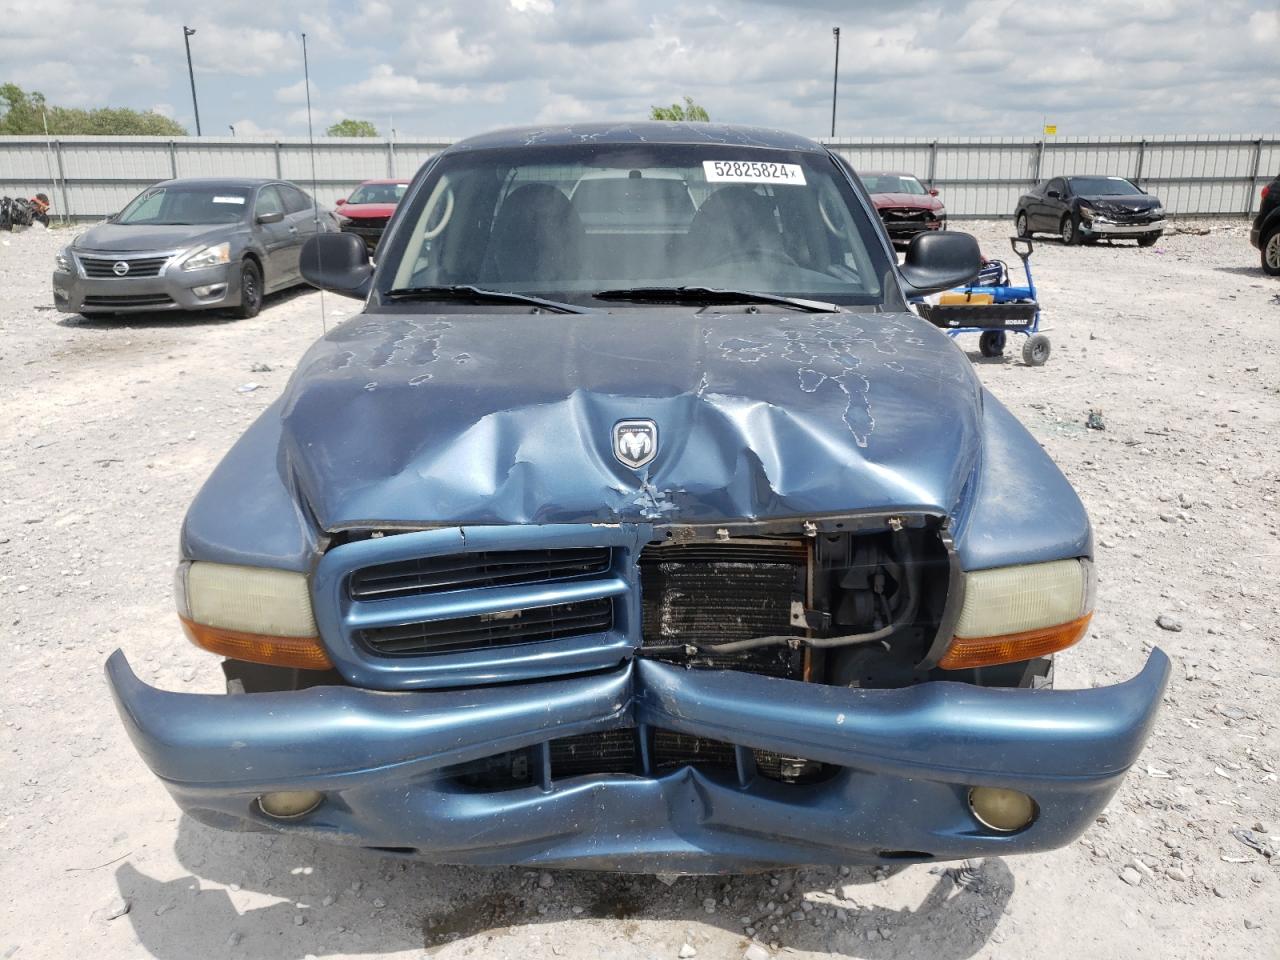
column 208, row 257
column 250, row 613
column 1017, row 613
column 1086, row 212
column 64, row 261
column 1157, row 211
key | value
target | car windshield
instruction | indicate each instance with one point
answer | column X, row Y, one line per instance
column 892, row 183
column 1102, row 187
column 567, row 222
column 378, row 193
column 186, row 205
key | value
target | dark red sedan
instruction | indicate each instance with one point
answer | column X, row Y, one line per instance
column 906, row 205
column 366, row 212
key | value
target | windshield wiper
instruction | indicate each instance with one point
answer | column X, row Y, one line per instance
column 712, row 295
column 472, row 294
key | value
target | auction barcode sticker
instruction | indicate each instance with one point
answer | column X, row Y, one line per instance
column 752, row 171
column 228, row 199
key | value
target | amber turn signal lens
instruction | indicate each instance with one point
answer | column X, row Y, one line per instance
column 966, row 652
column 304, row 653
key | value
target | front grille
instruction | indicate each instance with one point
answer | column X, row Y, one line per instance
column 468, row 571
column 905, row 213
column 508, row 628
column 717, row 592
column 101, row 267
column 130, row 300
column 610, row 751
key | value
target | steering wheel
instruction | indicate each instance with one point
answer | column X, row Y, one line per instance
column 758, row 252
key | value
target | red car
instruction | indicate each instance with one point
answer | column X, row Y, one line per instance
column 366, row 212
column 906, row 205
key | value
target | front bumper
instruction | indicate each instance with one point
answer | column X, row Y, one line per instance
column 906, row 760
column 1113, row 229
column 174, row 289
column 903, row 230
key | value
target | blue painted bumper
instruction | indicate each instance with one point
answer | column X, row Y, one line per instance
column 907, row 758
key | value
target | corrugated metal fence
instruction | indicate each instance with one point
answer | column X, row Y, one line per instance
column 87, row 177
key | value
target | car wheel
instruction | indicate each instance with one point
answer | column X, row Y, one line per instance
column 1036, row 350
column 1069, row 234
column 1271, row 253
column 1148, row 239
column 1020, row 225
column 991, row 343
column 250, row 290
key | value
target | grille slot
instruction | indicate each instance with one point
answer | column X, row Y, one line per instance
column 468, row 571
column 101, row 267
column 482, row 632
column 130, row 300
column 610, row 751
column 721, row 591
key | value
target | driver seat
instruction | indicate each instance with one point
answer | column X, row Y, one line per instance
column 732, row 222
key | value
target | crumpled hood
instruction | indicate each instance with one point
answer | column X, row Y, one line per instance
column 366, row 211
column 1123, row 203
column 508, row 418
column 914, row 200
column 124, row 237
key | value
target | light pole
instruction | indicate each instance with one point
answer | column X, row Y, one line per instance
column 232, row 128
column 835, row 79
column 187, row 33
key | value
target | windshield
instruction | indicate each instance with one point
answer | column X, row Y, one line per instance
column 378, row 193
column 565, row 223
column 184, row 205
column 892, row 183
column 1102, row 187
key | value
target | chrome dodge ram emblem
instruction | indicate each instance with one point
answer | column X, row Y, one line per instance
column 120, row 268
column 635, row 442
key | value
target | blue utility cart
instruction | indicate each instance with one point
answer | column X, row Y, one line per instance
column 993, row 308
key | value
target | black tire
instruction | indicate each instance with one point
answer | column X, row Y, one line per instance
column 1271, row 252
column 250, row 290
column 991, row 343
column 1069, row 232
column 1020, row 224
column 1035, row 352
column 1148, row 239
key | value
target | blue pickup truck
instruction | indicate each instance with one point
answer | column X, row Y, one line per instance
column 640, row 526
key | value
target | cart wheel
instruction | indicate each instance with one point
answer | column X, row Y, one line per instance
column 991, row 343
column 1036, row 350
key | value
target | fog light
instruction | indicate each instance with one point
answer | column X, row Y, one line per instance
column 1001, row 809
column 290, row 804
column 209, row 290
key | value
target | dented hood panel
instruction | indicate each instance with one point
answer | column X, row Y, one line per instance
column 498, row 418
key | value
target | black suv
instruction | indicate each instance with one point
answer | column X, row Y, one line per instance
column 1084, row 209
column 1265, row 234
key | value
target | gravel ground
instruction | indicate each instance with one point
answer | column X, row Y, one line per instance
column 109, row 429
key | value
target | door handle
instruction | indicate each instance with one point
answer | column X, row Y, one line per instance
column 293, row 229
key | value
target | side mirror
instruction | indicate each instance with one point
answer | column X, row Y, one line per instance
column 337, row 262
column 933, row 191
column 274, row 217
column 1054, row 194
column 938, row 261
column 340, row 201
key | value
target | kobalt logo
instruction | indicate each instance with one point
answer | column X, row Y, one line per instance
column 635, row 442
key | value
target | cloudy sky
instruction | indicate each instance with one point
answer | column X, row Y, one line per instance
column 455, row 67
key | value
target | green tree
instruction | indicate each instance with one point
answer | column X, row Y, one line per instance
column 352, row 128
column 25, row 113
column 690, row 111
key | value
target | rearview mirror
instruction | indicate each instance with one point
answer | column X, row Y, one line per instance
column 337, row 262
column 938, row 261
column 273, row 217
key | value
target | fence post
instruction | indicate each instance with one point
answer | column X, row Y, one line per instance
column 1253, row 177
column 933, row 161
column 391, row 158
column 62, row 175
column 279, row 169
column 1142, row 155
column 173, row 161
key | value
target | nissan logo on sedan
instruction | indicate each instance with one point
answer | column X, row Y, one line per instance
column 120, row 268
